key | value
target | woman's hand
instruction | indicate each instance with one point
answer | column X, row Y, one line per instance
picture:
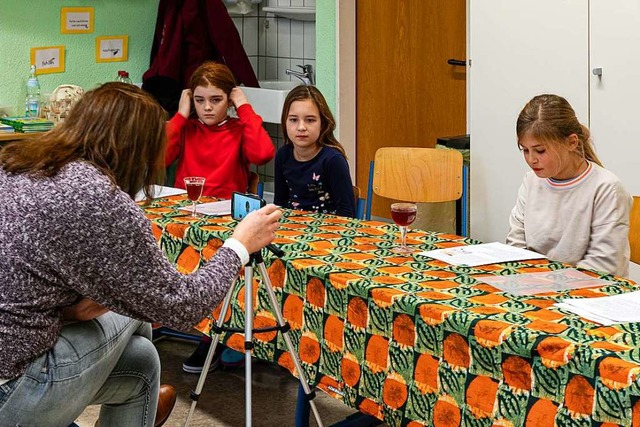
column 184, row 106
column 86, row 309
column 258, row 228
column 238, row 97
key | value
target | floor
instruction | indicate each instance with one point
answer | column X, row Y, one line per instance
column 222, row 399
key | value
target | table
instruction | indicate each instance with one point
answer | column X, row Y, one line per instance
column 14, row 136
column 415, row 341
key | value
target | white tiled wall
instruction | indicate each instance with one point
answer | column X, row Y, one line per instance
column 274, row 44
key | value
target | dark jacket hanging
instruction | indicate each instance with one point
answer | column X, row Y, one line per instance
column 188, row 33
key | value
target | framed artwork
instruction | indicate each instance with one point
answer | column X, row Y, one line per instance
column 48, row 59
column 76, row 20
column 112, row 48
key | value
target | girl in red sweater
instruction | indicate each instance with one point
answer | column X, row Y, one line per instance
column 212, row 144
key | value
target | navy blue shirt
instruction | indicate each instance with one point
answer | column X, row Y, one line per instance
column 322, row 184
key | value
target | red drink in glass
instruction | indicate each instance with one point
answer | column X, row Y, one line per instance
column 194, row 186
column 403, row 214
column 403, row 217
column 194, row 190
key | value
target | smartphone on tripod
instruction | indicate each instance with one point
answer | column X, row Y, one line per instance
column 243, row 203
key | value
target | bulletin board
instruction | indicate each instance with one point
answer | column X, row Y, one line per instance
column 76, row 20
column 48, row 59
column 112, row 48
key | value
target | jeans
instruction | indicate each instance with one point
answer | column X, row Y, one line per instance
column 109, row 361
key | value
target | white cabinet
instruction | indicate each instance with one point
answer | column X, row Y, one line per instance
column 520, row 49
column 615, row 96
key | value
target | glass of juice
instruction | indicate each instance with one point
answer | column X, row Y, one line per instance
column 194, row 186
column 403, row 214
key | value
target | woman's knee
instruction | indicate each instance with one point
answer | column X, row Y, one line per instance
column 145, row 330
column 140, row 356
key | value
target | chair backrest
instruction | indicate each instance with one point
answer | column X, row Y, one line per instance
column 421, row 175
column 255, row 186
column 634, row 230
column 359, row 202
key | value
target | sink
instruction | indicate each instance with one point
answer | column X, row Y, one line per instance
column 268, row 99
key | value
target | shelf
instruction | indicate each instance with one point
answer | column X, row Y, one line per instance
column 16, row 136
column 297, row 13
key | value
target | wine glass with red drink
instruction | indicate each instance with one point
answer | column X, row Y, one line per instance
column 194, row 186
column 403, row 214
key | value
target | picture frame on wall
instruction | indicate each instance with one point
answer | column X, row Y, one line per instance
column 76, row 20
column 48, row 59
column 112, row 48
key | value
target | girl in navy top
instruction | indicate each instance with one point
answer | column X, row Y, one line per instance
column 311, row 170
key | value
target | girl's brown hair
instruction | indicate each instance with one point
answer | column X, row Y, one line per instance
column 327, row 122
column 117, row 127
column 551, row 120
column 214, row 74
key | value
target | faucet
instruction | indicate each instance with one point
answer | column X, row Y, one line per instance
column 306, row 75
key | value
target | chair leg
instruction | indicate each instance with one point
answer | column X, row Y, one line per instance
column 303, row 409
column 163, row 331
column 369, row 191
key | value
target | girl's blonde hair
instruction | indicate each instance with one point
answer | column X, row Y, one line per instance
column 551, row 120
column 118, row 128
column 327, row 122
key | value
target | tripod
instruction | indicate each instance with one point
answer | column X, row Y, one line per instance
column 254, row 260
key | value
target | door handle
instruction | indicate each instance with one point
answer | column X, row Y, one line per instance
column 597, row 72
column 458, row 62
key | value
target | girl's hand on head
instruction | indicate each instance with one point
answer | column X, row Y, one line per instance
column 238, row 97
column 184, row 107
column 258, row 228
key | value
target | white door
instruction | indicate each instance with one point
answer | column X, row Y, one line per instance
column 615, row 95
column 518, row 49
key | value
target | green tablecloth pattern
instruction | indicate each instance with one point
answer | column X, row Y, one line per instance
column 415, row 341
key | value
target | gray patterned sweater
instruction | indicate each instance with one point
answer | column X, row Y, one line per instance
column 76, row 235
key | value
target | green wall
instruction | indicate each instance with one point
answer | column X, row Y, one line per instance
column 326, row 51
column 27, row 24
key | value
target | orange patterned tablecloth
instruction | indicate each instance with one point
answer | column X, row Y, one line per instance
column 415, row 341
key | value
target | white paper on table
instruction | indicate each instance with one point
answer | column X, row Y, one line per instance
column 485, row 253
column 160, row 191
column 221, row 208
column 620, row 308
column 586, row 314
column 544, row 281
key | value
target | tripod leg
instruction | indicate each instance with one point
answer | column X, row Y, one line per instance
column 248, row 338
column 195, row 395
column 285, row 334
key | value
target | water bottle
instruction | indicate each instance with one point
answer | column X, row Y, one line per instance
column 32, row 102
column 123, row 77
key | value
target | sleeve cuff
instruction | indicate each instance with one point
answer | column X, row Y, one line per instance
column 178, row 120
column 238, row 248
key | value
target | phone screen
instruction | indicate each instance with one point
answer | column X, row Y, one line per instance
column 242, row 204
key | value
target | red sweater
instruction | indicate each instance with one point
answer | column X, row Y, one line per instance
column 221, row 154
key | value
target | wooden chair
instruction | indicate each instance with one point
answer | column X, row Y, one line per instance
column 634, row 230
column 413, row 174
